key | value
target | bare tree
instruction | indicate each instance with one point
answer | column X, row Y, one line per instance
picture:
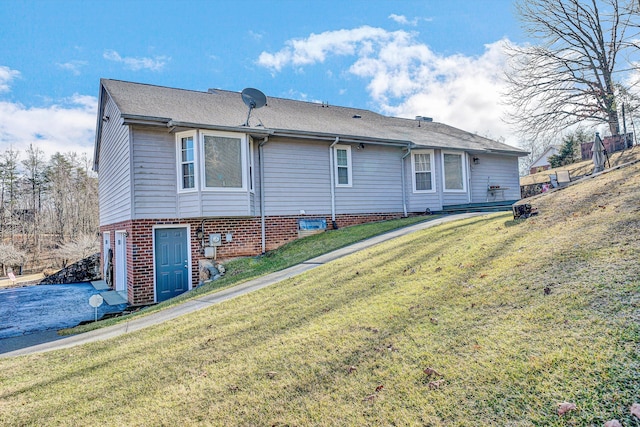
column 8, row 186
column 586, row 47
column 35, row 168
column 10, row 256
column 81, row 247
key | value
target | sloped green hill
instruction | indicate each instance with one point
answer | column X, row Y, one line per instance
column 487, row 321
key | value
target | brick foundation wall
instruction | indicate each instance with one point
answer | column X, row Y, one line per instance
column 245, row 241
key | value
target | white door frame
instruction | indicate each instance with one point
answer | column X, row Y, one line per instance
column 106, row 240
column 120, row 261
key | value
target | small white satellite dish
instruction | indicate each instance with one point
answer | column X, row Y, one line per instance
column 253, row 98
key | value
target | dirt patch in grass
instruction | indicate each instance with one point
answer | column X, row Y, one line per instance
column 514, row 317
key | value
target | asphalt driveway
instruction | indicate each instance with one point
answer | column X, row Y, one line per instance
column 141, row 322
column 43, row 309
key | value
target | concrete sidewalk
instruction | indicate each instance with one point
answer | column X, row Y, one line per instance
column 205, row 301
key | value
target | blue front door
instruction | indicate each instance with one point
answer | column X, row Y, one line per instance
column 172, row 262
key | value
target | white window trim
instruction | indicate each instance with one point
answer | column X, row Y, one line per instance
column 179, row 136
column 464, row 166
column 251, row 170
column 335, row 165
column 243, row 155
column 433, row 172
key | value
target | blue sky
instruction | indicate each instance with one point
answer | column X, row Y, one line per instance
column 432, row 57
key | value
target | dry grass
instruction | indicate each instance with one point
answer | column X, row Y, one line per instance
column 515, row 317
column 583, row 168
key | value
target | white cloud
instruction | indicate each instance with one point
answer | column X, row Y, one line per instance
column 66, row 127
column 73, row 66
column 156, row 63
column 6, row 77
column 406, row 78
column 316, row 47
column 255, row 35
column 403, row 20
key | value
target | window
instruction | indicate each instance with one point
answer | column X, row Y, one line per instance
column 454, row 172
column 342, row 165
column 422, row 169
column 186, row 161
column 223, row 162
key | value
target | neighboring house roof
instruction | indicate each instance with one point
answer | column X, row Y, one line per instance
column 542, row 159
column 225, row 110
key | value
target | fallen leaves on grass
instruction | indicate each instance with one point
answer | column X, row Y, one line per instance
column 351, row 369
column 431, row 371
column 635, row 410
column 565, row 407
column 271, row 374
column 434, row 385
column 613, row 423
column 374, row 396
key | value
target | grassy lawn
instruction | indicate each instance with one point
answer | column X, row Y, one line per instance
column 243, row 269
column 515, row 317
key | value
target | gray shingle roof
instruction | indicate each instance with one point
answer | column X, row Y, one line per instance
column 225, row 109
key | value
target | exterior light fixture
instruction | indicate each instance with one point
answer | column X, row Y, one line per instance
column 476, row 160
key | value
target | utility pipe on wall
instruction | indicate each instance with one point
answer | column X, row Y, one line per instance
column 263, row 234
column 332, row 178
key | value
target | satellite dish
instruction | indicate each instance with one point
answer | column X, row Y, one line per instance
column 253, row 98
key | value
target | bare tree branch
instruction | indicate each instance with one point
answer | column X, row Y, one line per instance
column 568, row 78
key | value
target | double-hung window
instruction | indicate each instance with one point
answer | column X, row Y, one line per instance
column 186, row 161
column 224, row 165
column 453, row 166
column 422, row 170
column 342, row 161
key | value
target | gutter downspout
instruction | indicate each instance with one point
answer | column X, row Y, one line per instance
column 263, row 234
column 332, row 178
column 404, row 190
column 467, row 158
column 441, row 177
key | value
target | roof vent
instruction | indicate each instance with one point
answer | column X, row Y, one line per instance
column 357, row 116
column 212, row 90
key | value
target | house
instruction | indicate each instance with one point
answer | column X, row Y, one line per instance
column 542, row 162
column 183, row 172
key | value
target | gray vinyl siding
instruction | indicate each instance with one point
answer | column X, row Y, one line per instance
column 154, row 174
column 225, row 203
column 114, row 172
column 189, row 205
column 296, row 176
column 494, row 170
column 377, row 182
